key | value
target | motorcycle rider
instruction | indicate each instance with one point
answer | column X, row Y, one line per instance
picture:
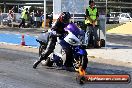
column 58, row 27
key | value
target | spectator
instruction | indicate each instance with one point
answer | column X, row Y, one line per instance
column 41, row 18
column 32, row 18
column 50, row 20
column 10, row 17
column 37, row 19
column 91, row 22
column 24, row 17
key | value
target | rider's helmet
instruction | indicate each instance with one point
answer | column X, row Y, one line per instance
column 65, row 17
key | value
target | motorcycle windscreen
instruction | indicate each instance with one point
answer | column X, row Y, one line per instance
column 43, row 37
column 73, row 29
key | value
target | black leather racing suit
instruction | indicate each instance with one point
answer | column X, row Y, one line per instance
column 59, row 28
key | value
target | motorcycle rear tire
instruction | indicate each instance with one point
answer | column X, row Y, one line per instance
column 84, row 62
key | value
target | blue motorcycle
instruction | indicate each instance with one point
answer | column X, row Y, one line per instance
column 72, row 39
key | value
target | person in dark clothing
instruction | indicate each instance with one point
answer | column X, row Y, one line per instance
column 50, row 20
column 58, row 27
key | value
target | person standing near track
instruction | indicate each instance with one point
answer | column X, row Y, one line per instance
column 24, row 17
column 91, row 22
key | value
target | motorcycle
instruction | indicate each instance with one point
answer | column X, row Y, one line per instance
column 72, row 39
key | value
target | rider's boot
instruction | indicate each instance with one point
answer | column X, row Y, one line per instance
column 42, row 57
column 36, row 64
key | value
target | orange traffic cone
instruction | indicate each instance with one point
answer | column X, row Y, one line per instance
column 23, row 41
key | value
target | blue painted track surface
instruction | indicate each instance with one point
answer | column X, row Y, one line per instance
column 16, row 39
